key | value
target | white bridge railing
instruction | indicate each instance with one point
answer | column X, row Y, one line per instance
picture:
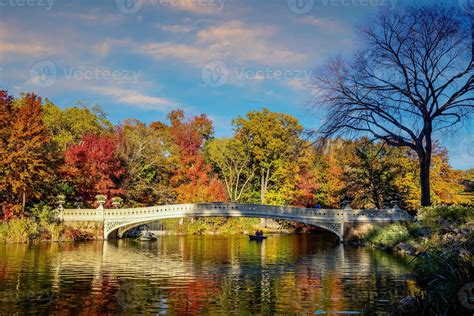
column 331, row 219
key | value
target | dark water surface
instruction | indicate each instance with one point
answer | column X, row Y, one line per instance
column 219, row 275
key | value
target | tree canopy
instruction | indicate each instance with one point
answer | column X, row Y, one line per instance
column 411, row 78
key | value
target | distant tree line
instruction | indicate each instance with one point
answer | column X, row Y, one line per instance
column 76, row 151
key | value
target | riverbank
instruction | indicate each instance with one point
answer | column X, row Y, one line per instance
column 35, row 229
column 23, row 230
column 440, row 245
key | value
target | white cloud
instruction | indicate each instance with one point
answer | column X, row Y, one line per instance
column 136, row 98
column 93, row 16
column 104, row 47
column 298, row 84
column 14, row 44
column 232, row 41
column 29, row 49
column 175, row 28
column 325, row 23
column 202, row 7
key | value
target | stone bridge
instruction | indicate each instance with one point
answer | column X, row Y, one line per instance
column 344, row 223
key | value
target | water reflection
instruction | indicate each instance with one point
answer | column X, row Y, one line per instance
column 295, row 274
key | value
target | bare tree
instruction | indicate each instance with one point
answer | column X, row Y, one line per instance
column 412, row 79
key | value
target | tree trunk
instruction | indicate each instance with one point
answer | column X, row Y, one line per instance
column 262, row 188
column 425, row 164
column 23, row 204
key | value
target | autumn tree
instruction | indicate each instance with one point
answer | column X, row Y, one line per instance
column 146, row 153
column 446, row 184
column 93, row 167
column 370, row 174
column 192, row 176
column 328, row 171
column 307, row 178
column 67, row 126
column 411, row 79
column 272, row 139
column 233, row 163
column 23, row 151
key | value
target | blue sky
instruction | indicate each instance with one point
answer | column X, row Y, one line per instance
column 143, row 58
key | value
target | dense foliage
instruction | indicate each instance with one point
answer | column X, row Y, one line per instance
column 77, row 152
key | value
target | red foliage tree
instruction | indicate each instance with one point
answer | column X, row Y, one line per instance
column 192, row 177
column 93, row 167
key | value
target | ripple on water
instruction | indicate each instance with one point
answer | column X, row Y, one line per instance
column 304, row 274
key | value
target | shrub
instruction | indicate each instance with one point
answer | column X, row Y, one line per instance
column 44, row 213
column 74, row 234
column 55, row 231
column 19, row 230
column 455, row 214
column 198, row 227
column 391, row 235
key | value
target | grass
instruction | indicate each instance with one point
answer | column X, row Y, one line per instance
column 28, row 230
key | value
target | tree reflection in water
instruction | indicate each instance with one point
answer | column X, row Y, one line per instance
column 284, row 274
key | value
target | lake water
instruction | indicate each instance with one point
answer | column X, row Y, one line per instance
column 285, row 274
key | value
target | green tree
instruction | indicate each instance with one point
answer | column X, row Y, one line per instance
column 272, row 140
column 233, row 162
column 370, row 174
column 67, row 126
column 145, row 152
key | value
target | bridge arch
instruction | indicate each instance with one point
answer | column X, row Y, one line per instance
column 118, row 228
column 341, row 222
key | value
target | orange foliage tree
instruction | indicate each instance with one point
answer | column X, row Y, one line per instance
column 23, row 151
column 192, row 176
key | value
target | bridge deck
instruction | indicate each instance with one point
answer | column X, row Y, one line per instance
column 329, row 219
